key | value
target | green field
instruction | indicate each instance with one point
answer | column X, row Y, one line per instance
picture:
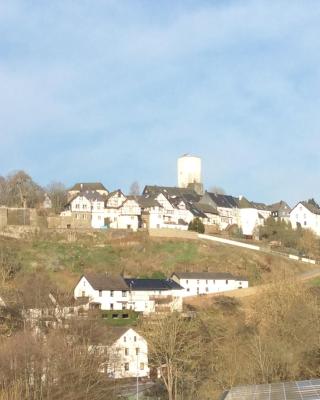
column 136, row 254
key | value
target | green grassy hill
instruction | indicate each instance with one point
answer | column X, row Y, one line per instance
column 64, row 258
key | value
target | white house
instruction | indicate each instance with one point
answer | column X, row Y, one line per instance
column 197, row 283
column 141, row 295
column 306, row 215
column 126, row 354
column 249, row 220
column 87, row 186
column 129, row 214
column 87, row 205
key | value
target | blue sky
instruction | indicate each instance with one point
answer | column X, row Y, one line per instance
column 115, row 91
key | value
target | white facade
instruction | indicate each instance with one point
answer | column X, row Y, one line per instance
column 301, row 216
column 189, row 170
column 249, row 220
column 145, row 301
column 193, row 286
column 127, row 357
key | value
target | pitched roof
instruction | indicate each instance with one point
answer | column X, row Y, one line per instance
column 113, row 333
column 170, row 191
column 110, row 194
column 206, row 208
column 206, row 275
column 147, row 201
column 152, row 284
column 103, row 281
column 91, row 195
column 88, row 186
column 224, row 200
column 312, row 206
column 279, row 206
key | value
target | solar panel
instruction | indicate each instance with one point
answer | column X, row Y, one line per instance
column 299, row 390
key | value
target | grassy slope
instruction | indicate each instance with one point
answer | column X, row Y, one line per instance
column 139, row 255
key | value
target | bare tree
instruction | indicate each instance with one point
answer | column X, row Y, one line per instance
column 217, row 190
column 134, row 189
column 22, row 191
column 58, row 195
column 174, row 344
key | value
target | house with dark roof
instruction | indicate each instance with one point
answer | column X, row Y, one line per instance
column 88, row 206
column 280, row 210
column 306, row 215
column 109, row 292
column 87, row 186
column 201, row 283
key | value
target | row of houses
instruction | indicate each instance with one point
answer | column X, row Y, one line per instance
column 91, row 205
column 152, row 295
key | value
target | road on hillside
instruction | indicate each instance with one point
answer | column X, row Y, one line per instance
column 253, row 290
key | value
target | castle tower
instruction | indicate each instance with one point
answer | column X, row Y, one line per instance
column 189, row 173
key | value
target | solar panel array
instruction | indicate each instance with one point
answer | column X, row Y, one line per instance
column 299, row 390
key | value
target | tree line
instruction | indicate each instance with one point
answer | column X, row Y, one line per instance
column 18, row 189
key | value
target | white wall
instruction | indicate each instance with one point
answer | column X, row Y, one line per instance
column 308, row 220
column 189, row 170
column 248, row 220
column 138, row 300
column 137, row 363
column 193, row 287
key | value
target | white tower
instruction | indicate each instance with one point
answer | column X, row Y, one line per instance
column 189, row 171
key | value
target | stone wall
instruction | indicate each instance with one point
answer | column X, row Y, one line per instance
column 68, row 222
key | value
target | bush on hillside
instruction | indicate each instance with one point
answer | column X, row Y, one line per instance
column 196, row 225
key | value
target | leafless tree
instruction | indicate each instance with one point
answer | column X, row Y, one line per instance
column 217, row 190
column 58, row 196
column 134, row 189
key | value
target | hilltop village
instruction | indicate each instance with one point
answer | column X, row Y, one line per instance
column 121, row 322
column 158, row 207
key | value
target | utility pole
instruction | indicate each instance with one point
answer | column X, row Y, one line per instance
column 137, row 397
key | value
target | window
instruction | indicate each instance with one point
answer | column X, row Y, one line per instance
column 83, row 293
column 305, row 223
column 126, row 366
column 137, row 351
column 111, row 306
column 159, row 292
column 141, row 366
column 100, row 293
column 207, row 290
column 126, row 351
column 134, row 338
column 188, row 290
column 124, row 293
column 124, row 306
column 111, row 293
column 227, row 281
column 198, row 281
column 214, row 281
column 206, row 281
column 124, row 338
column 187, row 281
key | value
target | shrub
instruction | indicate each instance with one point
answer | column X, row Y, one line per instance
column 196, row 225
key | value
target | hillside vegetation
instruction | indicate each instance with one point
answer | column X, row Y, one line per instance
column 64, row 257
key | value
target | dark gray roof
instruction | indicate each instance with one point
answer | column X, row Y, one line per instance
column 88, row 186
column 147, row 201
column 224, row 200
column 206, row 208
column 298, row 390
column 312, row 206
column 169, row 191
column 281, row 205
column 261, row 206
column 103, row 281
column 206, row 275
column 91, row 195
column 152, row 284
